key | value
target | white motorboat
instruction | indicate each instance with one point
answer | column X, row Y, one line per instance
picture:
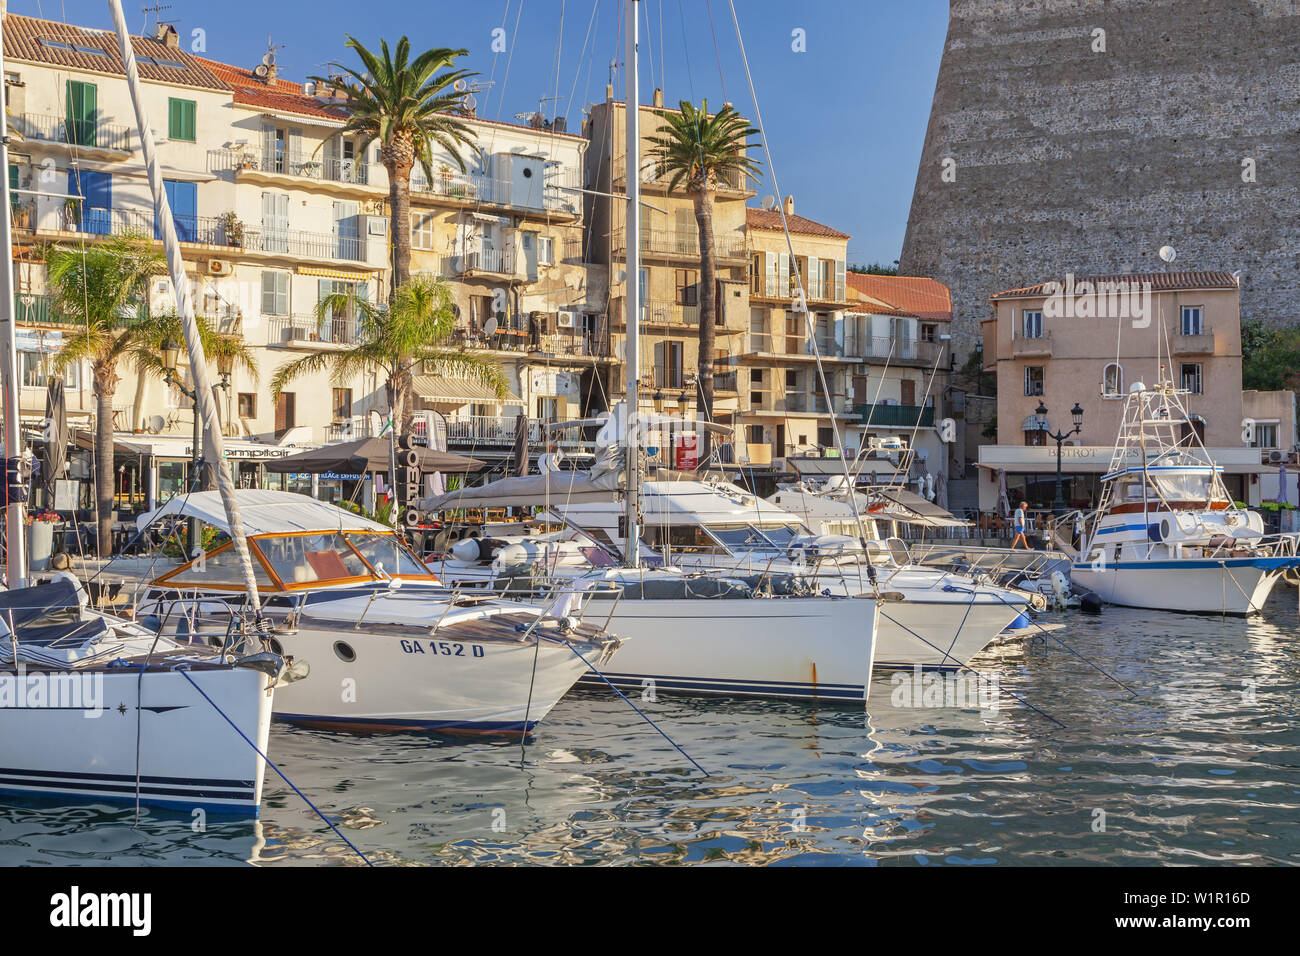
column 94, row 707
column 1166, row 534
column 387, row 646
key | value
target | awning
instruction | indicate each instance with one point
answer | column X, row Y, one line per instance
column 458, row 391
column 335, row 274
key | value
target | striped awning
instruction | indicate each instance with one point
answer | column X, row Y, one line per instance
column 335, row 274
column 460, row 391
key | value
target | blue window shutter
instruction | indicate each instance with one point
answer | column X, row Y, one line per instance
column 184, row 201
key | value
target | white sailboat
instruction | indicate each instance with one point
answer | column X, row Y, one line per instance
column 387, row 647
column 92, row 707
column 1166, row 534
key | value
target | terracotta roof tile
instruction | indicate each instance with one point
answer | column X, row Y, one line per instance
column 913, row 295
column 770, row 220
column 1160, row 282
column 281, row 95
column 66, row 45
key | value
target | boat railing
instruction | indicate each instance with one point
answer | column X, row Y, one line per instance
column 1281, row 545
column 985, row 563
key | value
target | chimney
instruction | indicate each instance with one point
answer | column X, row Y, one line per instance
column 789, row 206
column 166, row 34
column 658, row 97
column 271, row 72
column 609, row 92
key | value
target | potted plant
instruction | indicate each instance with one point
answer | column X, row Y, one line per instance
column 233, row 227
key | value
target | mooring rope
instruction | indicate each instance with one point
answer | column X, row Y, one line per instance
column 634, row 707
column 183, row 671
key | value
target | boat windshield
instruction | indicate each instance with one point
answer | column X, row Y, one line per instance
column 1170, row 486
column 749, row 538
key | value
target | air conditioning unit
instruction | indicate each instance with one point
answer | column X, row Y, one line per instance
column 1276, row 456
column 219, row 267
column 565, row 320
column 376, row 225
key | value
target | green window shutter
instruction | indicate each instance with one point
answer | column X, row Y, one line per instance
column 81, row 113
column 181, row 119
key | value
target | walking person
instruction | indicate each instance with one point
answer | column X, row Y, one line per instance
column 1020, row 520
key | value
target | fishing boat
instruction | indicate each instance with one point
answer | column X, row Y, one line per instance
column 95, row 707
column 387, row 647
column 1166, row 534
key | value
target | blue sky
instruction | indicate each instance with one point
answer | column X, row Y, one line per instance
column 845, row 119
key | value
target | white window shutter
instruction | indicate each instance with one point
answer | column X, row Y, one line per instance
column 783, row 274
column 770, row 284
column 839, row 280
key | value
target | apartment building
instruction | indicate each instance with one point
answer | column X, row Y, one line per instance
column 786, row 411
column 670, row 262
column 507, row 234
column 898, row 327
column 276, row 209
column 1087, row 340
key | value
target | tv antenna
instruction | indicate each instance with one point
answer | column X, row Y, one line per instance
column 156, row 9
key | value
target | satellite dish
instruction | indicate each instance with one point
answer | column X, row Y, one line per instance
column 156, row 424
column 1168, row 253
column 268, row 58
column 490, row 326
column 460, row 86
column 261, row 70
column 468, row 101
column 620, row 275
column 769, row 202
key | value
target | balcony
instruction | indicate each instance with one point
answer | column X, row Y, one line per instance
column 559, row 194
column 896, row 416
column 653, row 179
column 249, row 164
column 349, row 429
column 73, row 134
column 682, row 244
column 1039, row 346
column 33, row 309
column 1199, row 342
column 572, row 344
column 496, row 262
column 309, row 332
column 489, row 430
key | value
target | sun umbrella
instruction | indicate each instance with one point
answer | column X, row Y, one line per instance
column 56, row 435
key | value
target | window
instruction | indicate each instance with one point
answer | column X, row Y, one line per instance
column 1191, row 377
column 1265, row 435
column 1112, row 380
column 1031, row 324
column 1034, row 380
column 791, row 379
column 247, row 403
column 1035, row 437
column 82, row 117
column 342, row 404
column 285, row 412
column 422, row 230
column 1193, row 320
column 275, row 293
column 928, row 333
column 545, row 251
column 756, row 376
column 688, row 287
column 181, row 119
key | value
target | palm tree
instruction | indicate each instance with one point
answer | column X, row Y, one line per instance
column 102, row 291
column 700, row 151
column 392, row 340
column 407, row 106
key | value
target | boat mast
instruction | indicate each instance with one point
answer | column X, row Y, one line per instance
column 17, row 552
column 632, row 176
column 205, row 404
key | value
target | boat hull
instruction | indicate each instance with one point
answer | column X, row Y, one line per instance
column 1237, row 586
column 939, row 635
column 190, row 758
column 802, row 648
column 419, row 683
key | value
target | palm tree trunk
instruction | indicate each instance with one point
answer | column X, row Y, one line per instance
column 399, row 201
column 104, row 472
column 708, row 311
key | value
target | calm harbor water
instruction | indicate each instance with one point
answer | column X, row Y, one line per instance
column 1200, row 764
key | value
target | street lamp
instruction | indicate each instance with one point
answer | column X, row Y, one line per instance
column 1058, row 504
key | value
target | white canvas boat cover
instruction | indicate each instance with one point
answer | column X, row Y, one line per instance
column 265, row 512
column 555, row 488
